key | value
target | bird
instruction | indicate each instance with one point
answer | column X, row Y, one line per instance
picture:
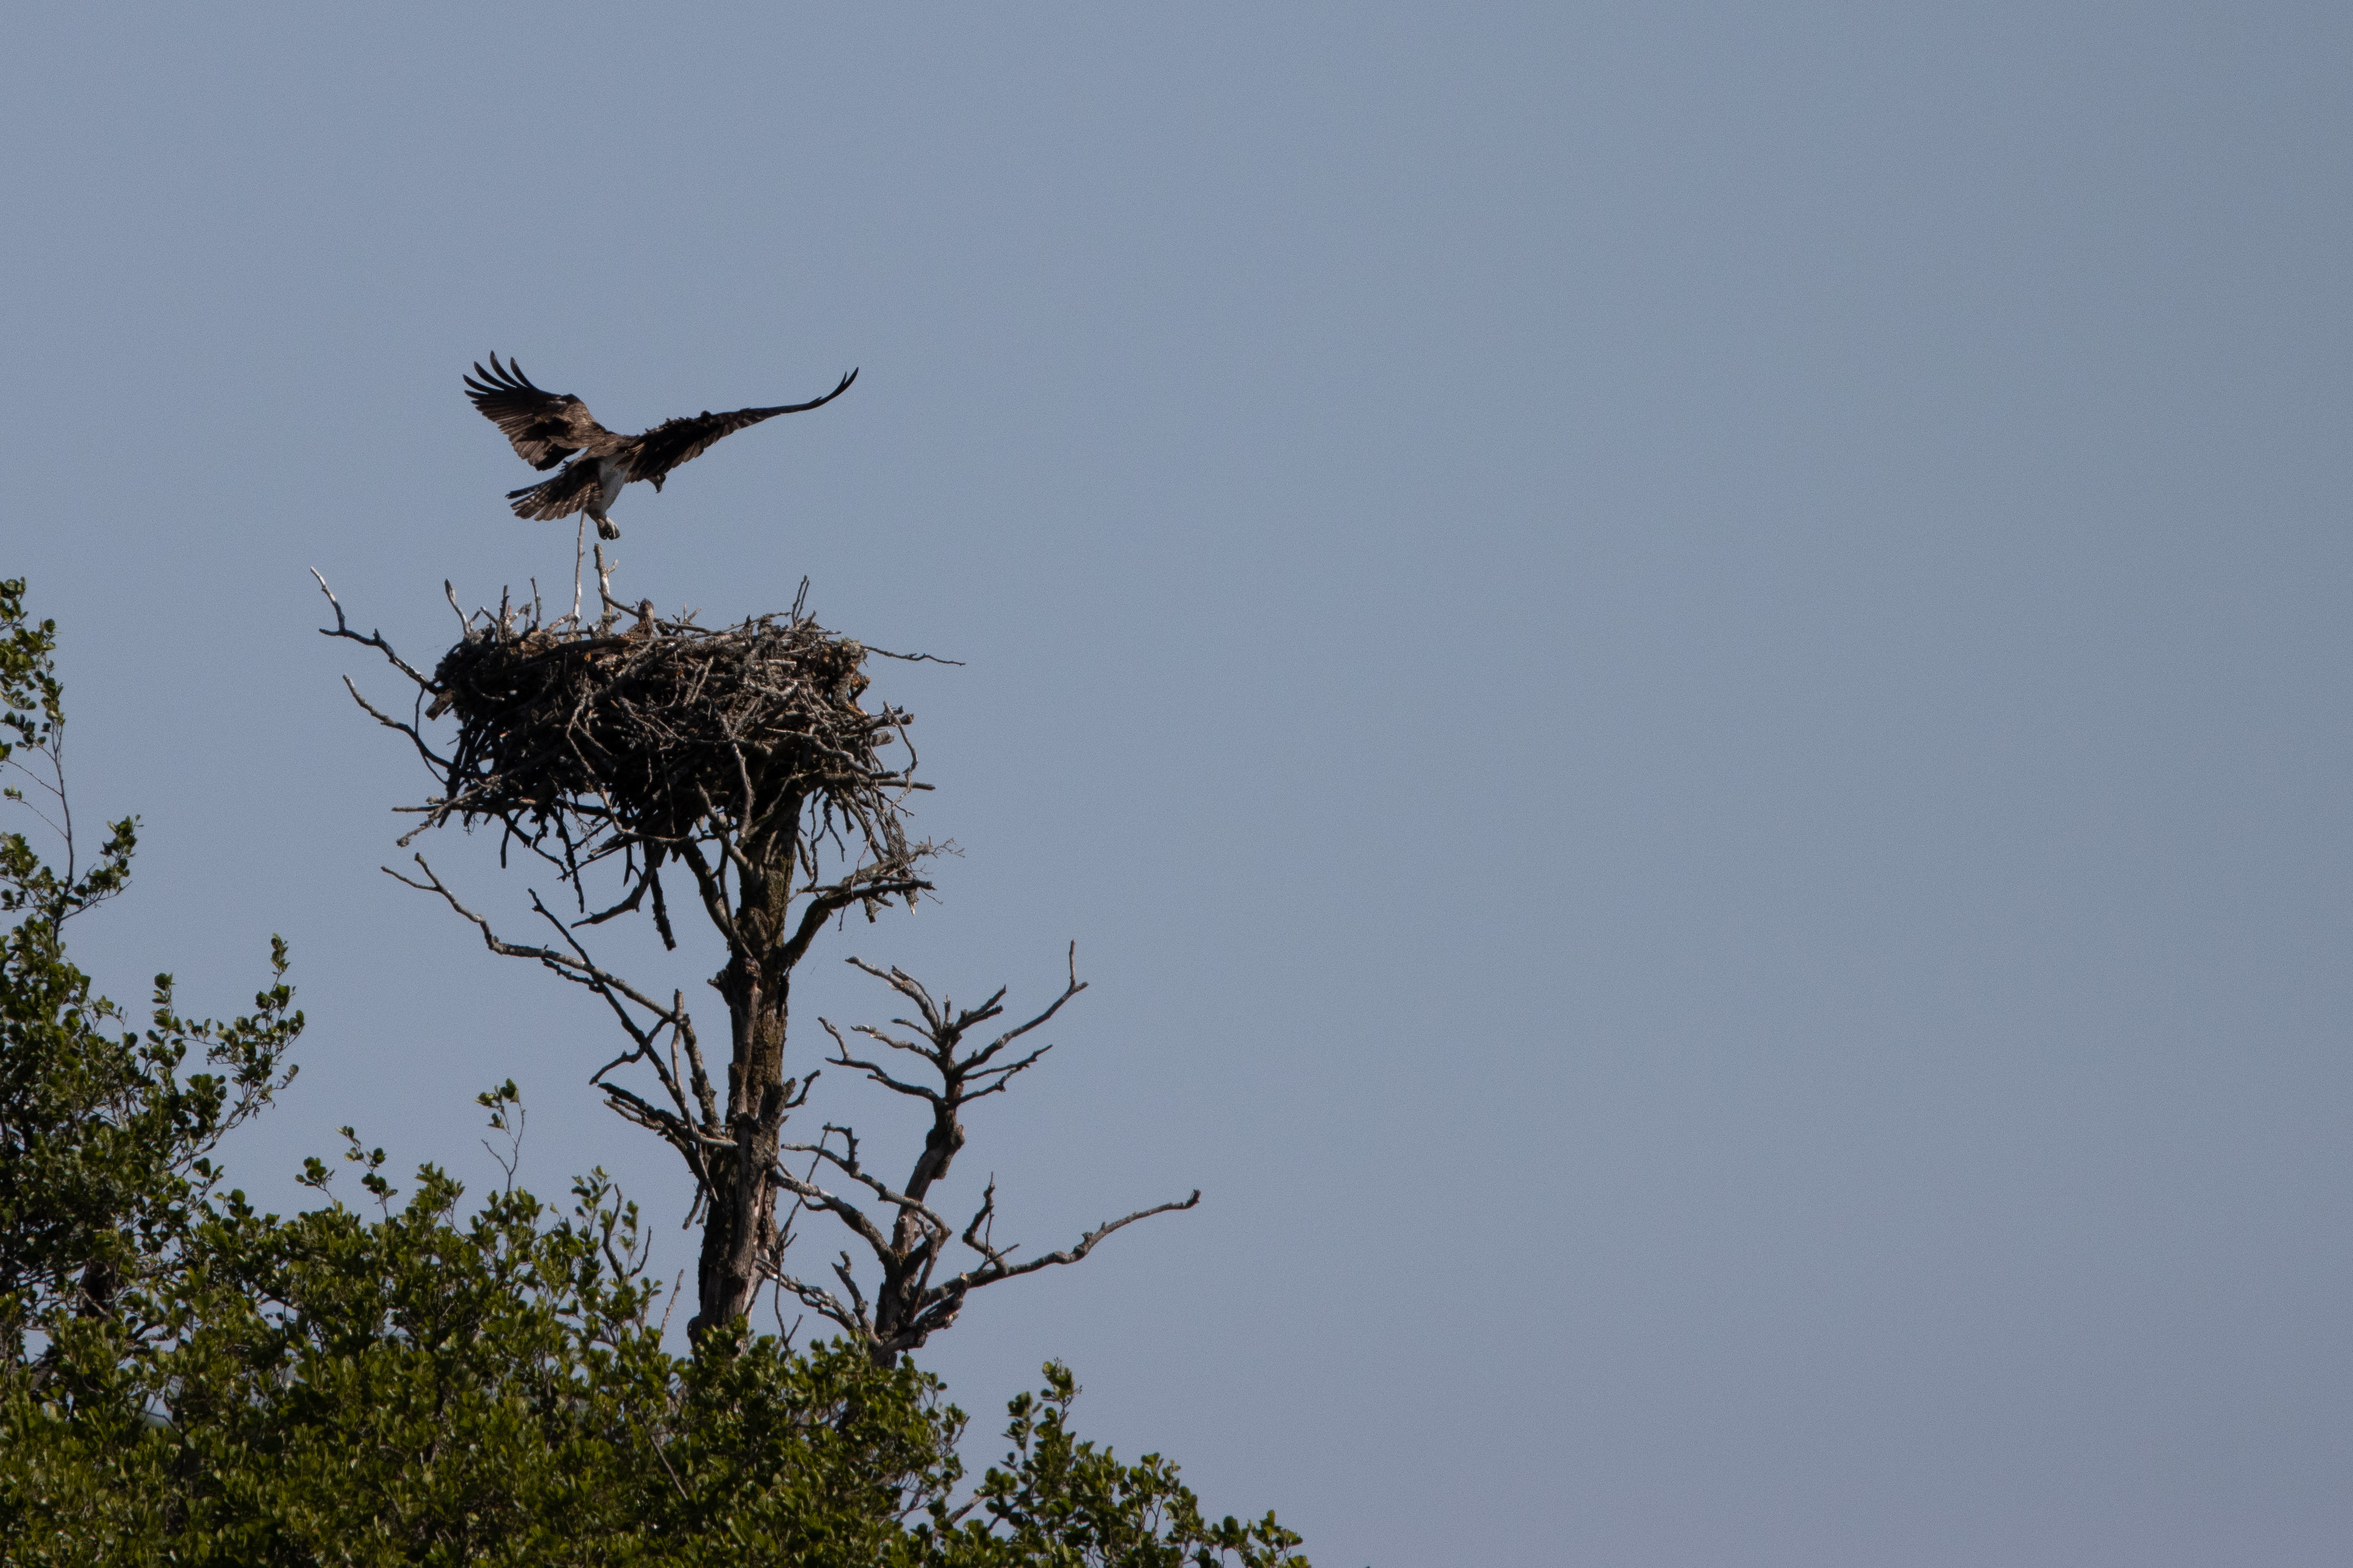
column 550, row 427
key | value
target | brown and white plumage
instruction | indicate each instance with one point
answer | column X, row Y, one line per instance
column 548, row 428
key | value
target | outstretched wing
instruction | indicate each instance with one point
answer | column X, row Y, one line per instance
column 675, row 441
column 546, row 426
column 562, row 496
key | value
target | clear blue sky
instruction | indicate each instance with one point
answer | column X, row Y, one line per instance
column 1683, row 671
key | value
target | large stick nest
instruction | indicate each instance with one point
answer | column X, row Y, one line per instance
column 652, row 735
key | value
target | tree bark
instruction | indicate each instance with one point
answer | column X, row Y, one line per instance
column 740, row 1225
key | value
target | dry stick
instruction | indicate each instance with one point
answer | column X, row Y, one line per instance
column 374, row 639
column 604, row 587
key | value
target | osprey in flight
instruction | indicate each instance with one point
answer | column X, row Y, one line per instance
column 546, row 428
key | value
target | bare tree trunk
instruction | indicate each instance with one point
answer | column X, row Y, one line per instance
column 740, row 1228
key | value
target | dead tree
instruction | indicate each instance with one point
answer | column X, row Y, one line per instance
column 907, row 1239
column 615, row 748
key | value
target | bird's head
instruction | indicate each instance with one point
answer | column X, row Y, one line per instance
column 656, row 484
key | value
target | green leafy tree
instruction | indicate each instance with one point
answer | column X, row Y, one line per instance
column 422, row 1387
column 104, row 1146
column 1059, row 1500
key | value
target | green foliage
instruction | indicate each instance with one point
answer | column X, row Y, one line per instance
column 33, row 720
column 432, row 1388
column 1061, row 1500
column 425, row 1388
column 187, row 1380
column 104, row 1147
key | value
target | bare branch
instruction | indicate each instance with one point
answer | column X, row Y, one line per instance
column 825, row 903
column 909, row 1304
column 342, row 629
column 996, row 1269
column 574, row 966
column 819, row 1198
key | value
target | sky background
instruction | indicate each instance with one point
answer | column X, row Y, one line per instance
column 1684, row 671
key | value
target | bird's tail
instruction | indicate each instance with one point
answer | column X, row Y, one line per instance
column 570, row 491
